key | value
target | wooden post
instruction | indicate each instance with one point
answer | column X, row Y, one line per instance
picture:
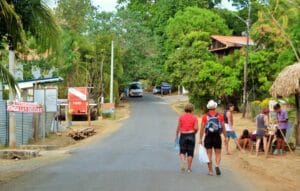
column 297, row 97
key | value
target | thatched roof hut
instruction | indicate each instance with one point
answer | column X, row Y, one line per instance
column 287, row 82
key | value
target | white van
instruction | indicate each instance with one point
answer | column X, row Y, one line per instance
column 136, row 89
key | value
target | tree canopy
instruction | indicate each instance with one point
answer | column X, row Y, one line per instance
column 158, row 41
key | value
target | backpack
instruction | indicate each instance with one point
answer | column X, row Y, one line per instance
column 213, row 125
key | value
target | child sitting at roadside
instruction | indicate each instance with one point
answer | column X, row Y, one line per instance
column 245, row 139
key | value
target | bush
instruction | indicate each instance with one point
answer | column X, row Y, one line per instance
column 264, row 103
column 255, row 108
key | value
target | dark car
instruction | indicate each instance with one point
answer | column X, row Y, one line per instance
column 166, row 88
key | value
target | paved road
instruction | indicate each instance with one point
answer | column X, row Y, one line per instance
column 139, row 157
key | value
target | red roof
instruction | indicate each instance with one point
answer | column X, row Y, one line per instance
column 232, row 41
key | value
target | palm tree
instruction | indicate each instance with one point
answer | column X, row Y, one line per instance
column 7, row 17
column 31, row 17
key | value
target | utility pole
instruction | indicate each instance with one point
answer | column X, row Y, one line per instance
column 245, row 97
column 12, row 115
column 112, row 73
column 101, row 76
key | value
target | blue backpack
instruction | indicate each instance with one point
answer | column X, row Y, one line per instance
column 213, row 125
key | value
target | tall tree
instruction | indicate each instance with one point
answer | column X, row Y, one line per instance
column 32, row 17
column 189, row 62
column 74, row 15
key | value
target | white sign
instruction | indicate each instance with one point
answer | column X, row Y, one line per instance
column 47, row 97
column 25, row 107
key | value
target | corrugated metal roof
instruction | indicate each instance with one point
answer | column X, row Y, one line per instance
column 29, row 83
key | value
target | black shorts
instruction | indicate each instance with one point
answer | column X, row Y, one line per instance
column 187, row 144
column 279, row 135
column 213, row 142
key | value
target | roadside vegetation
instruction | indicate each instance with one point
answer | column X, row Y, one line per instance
column 157, row 41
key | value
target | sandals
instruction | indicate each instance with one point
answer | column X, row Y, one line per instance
column 218, row 171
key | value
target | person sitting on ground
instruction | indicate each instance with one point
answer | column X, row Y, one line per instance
column 282, row 120
column 187, row 128
column 245, row 139
column 228, row 120
column 262, row 122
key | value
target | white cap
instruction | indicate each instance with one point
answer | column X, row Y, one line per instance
column 212, row 104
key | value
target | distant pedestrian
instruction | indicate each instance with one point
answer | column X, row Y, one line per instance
column 282, row 121
column 262, row 122
column 228, row 120
column 212, row 126
column 187, row 128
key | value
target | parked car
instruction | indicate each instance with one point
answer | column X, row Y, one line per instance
column 136, row 89
column 166, row 88
column 156, row 90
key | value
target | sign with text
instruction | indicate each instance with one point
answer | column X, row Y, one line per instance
column 25, row 107
column 108, row 107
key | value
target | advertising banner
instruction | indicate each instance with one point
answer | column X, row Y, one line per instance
column 25, row 107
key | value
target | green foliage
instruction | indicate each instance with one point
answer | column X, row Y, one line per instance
column 163, row 40
column 73, row 14
column 193, row 19
column 190, row 63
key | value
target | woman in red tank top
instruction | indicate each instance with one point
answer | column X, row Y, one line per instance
column 187, row 128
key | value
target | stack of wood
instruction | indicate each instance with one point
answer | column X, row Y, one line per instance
column 82, row 134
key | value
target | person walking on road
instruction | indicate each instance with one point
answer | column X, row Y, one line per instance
column 283, row 125
column 212, row 126
column 187, row 128
column 228, row 120
column 262, row 122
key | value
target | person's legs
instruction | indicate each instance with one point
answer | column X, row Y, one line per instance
column 183, row 151
column 257, row 145
column 218, row 161
column 209, row 154
column 190, row 151
column 227, row 139
column 281, row 147
column 241, row 142
column 283, row 140
column 190, row 160
column 218, row 156
column 278, row 144
column 266, row 149
column 247, row 143
column 238, row 145
column 183, row 159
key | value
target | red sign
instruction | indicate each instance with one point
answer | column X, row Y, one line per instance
column 25, row 107
column 78, row 103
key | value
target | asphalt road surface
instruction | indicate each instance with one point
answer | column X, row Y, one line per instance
column 138, row 157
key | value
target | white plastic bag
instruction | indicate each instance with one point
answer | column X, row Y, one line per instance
column 203, row 158
column 176, row 146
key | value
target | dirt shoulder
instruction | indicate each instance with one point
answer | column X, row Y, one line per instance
column 271, row 173
column 10, row 169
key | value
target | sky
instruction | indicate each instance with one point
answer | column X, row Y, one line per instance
column 109, row 5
